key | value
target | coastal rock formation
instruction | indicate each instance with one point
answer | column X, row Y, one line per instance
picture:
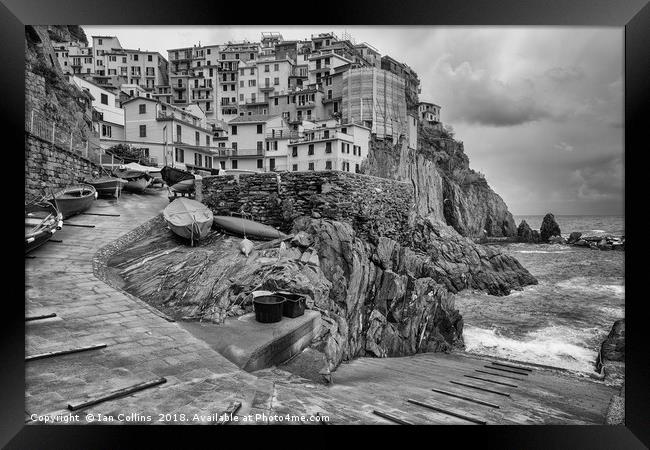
column 445, row 187
column 526, row 234
column 613, row 348
column 574, row 237
column 611, row 357
column 549, row 228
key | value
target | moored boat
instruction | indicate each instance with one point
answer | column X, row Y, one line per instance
column 107, row 185
column 138, row 184
column 241, row 226
column 42, row 220
column 178, row 180
column 73, row 200
column 188, row 218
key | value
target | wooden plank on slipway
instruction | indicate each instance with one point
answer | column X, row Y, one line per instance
column 469, row 399
column 479, row 388
column 39, row 317
column 449, row 413
column 491, row 381
column 498, row 375
column 116, row 394
column 64, row 352
column 528, row 369
column 391, row 418
column 506, row 370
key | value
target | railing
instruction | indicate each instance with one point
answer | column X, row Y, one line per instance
column 282, row 133
column 74, row 139
column 235, row 152
column 166, row 115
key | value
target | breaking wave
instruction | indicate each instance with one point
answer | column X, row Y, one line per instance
column 556, row 346
column 589, row 285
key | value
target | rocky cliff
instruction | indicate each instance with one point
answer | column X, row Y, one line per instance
column 446, row 188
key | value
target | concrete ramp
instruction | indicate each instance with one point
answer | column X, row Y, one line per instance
column 254, row 346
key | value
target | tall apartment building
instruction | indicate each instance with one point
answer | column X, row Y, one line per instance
column 114, row 65
column 411, row 80
column 74, row 58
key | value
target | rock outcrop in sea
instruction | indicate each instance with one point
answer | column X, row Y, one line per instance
column 549, row 228
column 526, row 234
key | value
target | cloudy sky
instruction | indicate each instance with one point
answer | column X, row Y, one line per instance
column 539, row 109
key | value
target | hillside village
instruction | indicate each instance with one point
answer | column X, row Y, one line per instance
column 268, row 105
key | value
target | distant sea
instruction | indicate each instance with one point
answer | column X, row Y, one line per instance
column 562, row 320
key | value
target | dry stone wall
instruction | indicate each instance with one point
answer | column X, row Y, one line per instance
column 374, row 206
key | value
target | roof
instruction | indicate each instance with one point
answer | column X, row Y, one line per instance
column 253, row 118
column 429, row 103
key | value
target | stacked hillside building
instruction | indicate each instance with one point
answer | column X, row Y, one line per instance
column 276, row 104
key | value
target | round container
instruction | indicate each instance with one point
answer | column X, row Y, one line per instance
column 294, row 306
column 268, row 308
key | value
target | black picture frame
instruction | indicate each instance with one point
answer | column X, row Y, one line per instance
column 634, row 15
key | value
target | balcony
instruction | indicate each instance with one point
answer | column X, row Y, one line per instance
column 239, row 153
column 267, row 87
column 282, row 133
column 306, row 105
column 172, row 115
column 253, row 101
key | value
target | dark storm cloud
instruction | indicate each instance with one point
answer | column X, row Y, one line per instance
column 483, row 100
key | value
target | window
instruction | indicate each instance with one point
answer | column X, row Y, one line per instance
column 329, row 94
column 99, row 42
column 106, row 130
column 180, row 155
column 208, row 162
column 328, row 147
column 197, row 138
column 143, row 131
column 104, row 99
column 179, row 133
column 344, row 130
column 276, row 67
column 311, row 166
column 142, row 108
column 259, row 128
column 295, row 167
column 198, row 159
column 135, row 57
column 236, row 55
column 207, row 140
column 356, row 168
column 294, row 151
column 275, row 145
column 223, row 56
column 241, row 83
column 260, row 163
column 234, row 146
column 149, row 58
column 233, row 130
column 234, row 163
column 124, row 59
column 311, row 149
column 328, row 165
column 266, row 68
column 342, row 147
column 276, row 81
column 222, row 164
column 260, row 146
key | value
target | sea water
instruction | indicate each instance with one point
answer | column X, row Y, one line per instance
column 562, row 320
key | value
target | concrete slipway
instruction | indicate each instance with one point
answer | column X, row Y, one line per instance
column 141, row 345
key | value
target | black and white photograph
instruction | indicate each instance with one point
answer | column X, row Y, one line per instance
column 324, row 225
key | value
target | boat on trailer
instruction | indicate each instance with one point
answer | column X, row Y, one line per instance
column 107, row 185
column 178, row 180
column 73, row 200
column 246, row 227
column 188, row 219
column 42, row 220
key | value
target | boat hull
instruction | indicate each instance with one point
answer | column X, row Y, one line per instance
column 188, row 218
column 239, row 226
column 42, row 220
column 137, row 184
column 108, row 187
column 183, row 186
column 74, row 200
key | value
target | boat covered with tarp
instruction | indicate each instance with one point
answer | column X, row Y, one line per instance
column 246, row 227
column 177, row 179
column 188, row 218
column 74, row 199
column 42, row 220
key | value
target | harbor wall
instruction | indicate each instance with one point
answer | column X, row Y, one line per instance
column 374, row 206
column 49, row 166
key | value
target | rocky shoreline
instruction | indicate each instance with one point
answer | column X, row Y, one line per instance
column 550, row 233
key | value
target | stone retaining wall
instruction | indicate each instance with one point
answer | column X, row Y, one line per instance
column 374, row 206
column 50, row 166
